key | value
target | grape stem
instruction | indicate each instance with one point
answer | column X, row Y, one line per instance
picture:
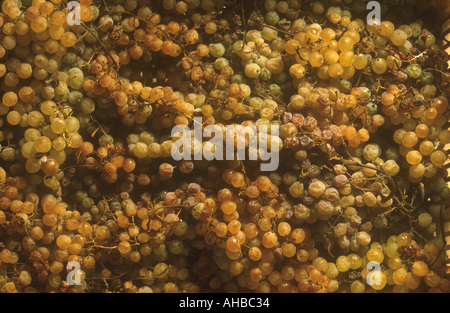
column 102, row 247
column 280, row 30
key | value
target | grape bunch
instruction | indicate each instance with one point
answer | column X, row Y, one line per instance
column 355, row 113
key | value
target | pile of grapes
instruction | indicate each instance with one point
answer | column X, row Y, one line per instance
column 92, row 199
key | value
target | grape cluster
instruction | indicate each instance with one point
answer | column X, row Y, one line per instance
column 88, row 177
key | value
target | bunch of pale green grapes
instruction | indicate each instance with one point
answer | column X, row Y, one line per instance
column 87, row 173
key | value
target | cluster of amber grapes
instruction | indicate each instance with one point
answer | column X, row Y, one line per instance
column 92, row 199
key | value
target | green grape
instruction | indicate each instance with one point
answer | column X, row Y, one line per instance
column 272, row 18
column 406, row 47
column 427, row 78
column 424, row 219
column 217, row 50
column 161, row 270
column 42, row 144
column 394, row 62
column 72, row 124
column 28, row 151
column 252, row 70
column 438, row 158
column 346, row 58
column 346, row 43
column 332, row 271
column 357, row 287
column 87, row 105
column 409, row 139
column 349, row 72
column 48, row 107
column 48, row 132
column 331, row 56
column 355, row 261
column 54, row 280
column 395, row 263
column 31, row 134
column 343, row 263
column 335, row 70
column 387, row 28
column 417, row 170
column 416, row 29
column 75, row 140
column 407, row 29
column 391, row 249
column 61, row 89
column 59, row 143
column 76, row 78
column 58, row 125
column 379, row 40
column 378, row 279
column 74, row 97
column 316, row 59
column 140, row 150
column 371, row 152
column 429, row 41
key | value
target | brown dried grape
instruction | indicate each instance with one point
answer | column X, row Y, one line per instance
column 316, row 188
column 263, row 183
column 221, row 229
column 168, row 47
column 238, row 180
column 298, row 235
column 438, row 158
column 228, row 207
column 284, row 229
column 265, row 224
column 288, row 250
column 120, row 98
column 291, row 46
column 254, row 253
column 440, row 104
column 234, row 226
column 250, row 230
column 68, row 39
column 9, row 98
column 363, row 135
column 84, row 228
column 210, row 204
column 49, row 219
